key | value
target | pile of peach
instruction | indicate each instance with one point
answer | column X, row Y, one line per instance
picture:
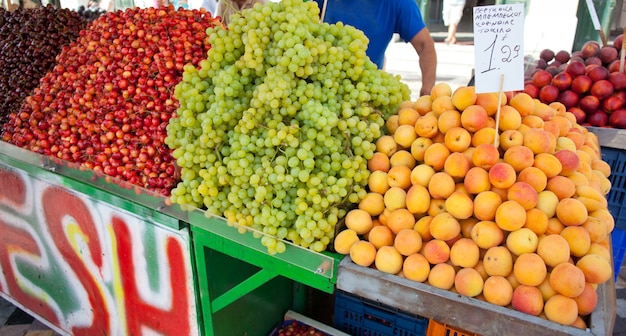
column 517, row 217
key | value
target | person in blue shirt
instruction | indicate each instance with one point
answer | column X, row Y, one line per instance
column 379, row 20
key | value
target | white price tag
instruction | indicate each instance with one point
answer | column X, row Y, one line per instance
column 498, row 47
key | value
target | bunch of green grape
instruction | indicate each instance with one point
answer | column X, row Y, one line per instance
column 275, row 127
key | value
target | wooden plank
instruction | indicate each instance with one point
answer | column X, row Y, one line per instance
column 464, row 312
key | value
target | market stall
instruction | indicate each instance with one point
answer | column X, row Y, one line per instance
column 209, row 189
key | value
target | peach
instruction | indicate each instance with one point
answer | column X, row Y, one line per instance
column 441, row 104
column 548, row 164
column 522, row 241
column 468, row 282
column 546, row 290
column 484, row 135
column 591, row 197
column 561, row 186
column 523, row 103
column 498, row 260
column 407, row 242
column 436, row 155
column 400, row 219
column 463, row 97
column 441, row 185
column 379, row 161
column 561, row 309
column 547, row 202
column 457, row 165
column 533, row 121
column 402, row 158
column 511, row 138
column 444, row 226
column 427, row 126
column 377, row 182
column 476, row 180
column 405, row 135
column 567, row 279
column 358, row 220
column 587, row 300
column 417, row 199
column 421, row 174
column 388, row 260
column 380, row 236
column 535, row 177
column 457, row 139
column 474, row 117
column 422, row 226
column 395, row 198
column 510, row 216
column 448, row 119
column 527, row 299
column 407, row 115
column 440, row 89
column 386, row 145
column 502, row 175
column 553, row 249
column 373, row 203
column 416, row 267
column 464, row 253
column 392, row 123
column 489, row 101
column 442, row 276
column 578, row 239
column 597, row 270
column 485, row 205
column 436, row 207
column 571, row 212
column 419, row 146
column 459, row 205
column 537, row 221
column 570, row 161
column 485, row 156
column 363, row 253
column 436, row 251
column 537, row 140
column 344, row 240
column 554, row 226
column 519, row 157
column 529, row 269
column 487, row 234
column 423, row 104
column 524, row 194
column 510, row 118
column 399, row 176
column 498, row 290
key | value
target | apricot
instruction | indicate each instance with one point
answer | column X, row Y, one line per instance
column 498, row 290
column 358, row 220
column 510, row 216
column 597, row 270
column 373, row 203
column 464, row 253
column 553, row 249
column 571, row 212
column 444, row 226
column 529, row 269
column 436, row 251
column 442, row 276
column 415, row 267
column 388, row 260
column 468, row 282
column 567, row 279
column 400, row 219
column 498, row 260
column 561, row 309
column 587, row 300
column 380, row 236
column 578, row 239
column 407, row 242
column 344, row 240
column 527, row 299
column 363, row 253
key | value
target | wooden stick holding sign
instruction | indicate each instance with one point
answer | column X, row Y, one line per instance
column 323, row 13
column 596, row 21
column 496, row 138
column 622, row 54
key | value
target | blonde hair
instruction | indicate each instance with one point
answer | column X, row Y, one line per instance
column 226, row 8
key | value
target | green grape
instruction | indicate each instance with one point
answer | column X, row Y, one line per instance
column 275, row 127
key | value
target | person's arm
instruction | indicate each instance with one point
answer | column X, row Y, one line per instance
column 425, row 48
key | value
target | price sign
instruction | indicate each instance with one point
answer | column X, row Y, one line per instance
column 498, row 47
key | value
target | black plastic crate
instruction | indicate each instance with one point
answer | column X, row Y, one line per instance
column 359, row 316
column 616, row 158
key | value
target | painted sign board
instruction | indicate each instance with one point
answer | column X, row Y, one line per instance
column 86, row 267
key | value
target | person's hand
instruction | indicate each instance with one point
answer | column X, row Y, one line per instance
column 424, row 91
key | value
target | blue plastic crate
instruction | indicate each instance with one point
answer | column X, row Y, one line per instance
column 618, row 243
column 359, row 316
column 616, row 158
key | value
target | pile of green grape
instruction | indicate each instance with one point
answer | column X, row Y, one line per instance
column 275, row 128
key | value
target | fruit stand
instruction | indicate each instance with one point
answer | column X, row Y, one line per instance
column 172, row 176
